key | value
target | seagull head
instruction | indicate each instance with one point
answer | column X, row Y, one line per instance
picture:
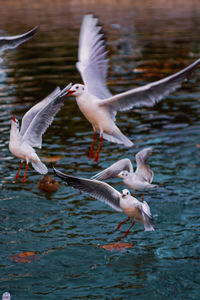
column 76, row 90
column 123, row 174
column 15, row 122
column 125, row 193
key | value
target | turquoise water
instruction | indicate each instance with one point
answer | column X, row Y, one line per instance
column 65, row 231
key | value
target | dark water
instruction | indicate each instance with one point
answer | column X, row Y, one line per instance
column 65, row 231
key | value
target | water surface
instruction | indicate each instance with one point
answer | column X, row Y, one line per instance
column 66, row 230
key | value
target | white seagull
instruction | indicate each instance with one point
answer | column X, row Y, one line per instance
column 140, row 180
column 34, row 124
column 122, row 202
column 95, row 100
column 11, row 42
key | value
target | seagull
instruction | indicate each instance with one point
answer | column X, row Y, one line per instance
column 122, row 202
column 34, row 124
column 11, row 42
column 94, row 99
column 141, row 179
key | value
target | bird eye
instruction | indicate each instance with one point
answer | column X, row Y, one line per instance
column 77, row 87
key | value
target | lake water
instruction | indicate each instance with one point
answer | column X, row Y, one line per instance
column 52, row 245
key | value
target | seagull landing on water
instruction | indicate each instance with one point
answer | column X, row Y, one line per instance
column 122, row 202
column 34, row 124
column 140, row 180
column 95, row 100
column 11, row 42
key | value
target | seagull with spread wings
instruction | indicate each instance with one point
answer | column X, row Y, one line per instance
column 140, row 180
column 34, row 124
column 95, row 100
column 122, row 202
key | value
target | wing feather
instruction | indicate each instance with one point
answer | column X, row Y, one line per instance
column 149, row 94
column 43, row 119
column 92, row 63
column 97, row 189
column 31, row 113
column 11, row 42
column 144, row 171
column 114, row 169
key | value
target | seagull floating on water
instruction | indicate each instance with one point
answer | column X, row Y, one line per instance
column 11, row 42
column 95, row 100
column 122, row 202
column 141, row 179
column 34, row 124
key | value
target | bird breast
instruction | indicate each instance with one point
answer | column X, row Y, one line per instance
column 98, row 116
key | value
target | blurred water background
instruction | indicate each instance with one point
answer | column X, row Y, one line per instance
column 63, row 233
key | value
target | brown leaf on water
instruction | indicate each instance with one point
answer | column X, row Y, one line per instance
column 24, row 257
column 116, row 246
column 52, row 158
column 198, row 145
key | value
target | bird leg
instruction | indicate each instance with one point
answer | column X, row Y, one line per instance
column 143, row 196
column 127, row 232
column 17, row 175
column 91, row 155
column 120, row 224
column 99, row 148
column 24, row 178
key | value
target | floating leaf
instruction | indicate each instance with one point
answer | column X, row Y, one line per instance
column 52, row 158
column 116, row 246
column 23, row 257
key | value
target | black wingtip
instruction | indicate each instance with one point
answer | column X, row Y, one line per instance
column 60, row 174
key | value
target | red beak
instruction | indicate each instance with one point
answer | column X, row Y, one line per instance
column 13, row 118
column 123, row 195
column 69, row 93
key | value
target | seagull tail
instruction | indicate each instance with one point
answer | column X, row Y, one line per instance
column 118, row 137
column 148, row 225
column 40, row 167
column 153, row 186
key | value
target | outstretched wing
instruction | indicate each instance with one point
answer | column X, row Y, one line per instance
column 143, row 171
column 43, row 119
column 114, row 169
column 11, row 42
column 31, row 113
column 97, row 189
column 149, row 94
column 92, row 63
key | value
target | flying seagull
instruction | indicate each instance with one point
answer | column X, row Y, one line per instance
column 140, row 180
column 122, row 202
column 95, row 100
column 34, row 124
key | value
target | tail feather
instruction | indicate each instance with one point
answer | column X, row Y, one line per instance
column 118, row 138
column 40, row 167
column 148, row 225
column 153, row 186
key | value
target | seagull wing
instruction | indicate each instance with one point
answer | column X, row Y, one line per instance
column 143, row 171
column 92, row 63
column 149, row 94
column 114, row 169
column 43, row 119
column 31, row 113
column 12, row 42
column 97, row 189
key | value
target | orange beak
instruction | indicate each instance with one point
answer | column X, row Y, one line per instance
column 69, row 93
